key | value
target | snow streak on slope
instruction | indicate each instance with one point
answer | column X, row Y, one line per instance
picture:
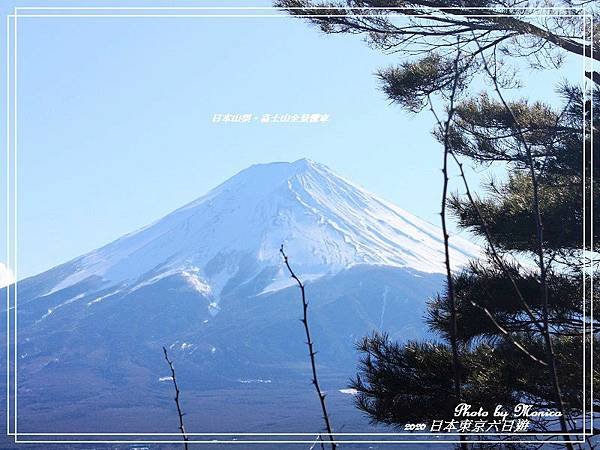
column 326, row 223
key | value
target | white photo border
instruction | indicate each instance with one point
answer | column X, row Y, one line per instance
column 11, row 225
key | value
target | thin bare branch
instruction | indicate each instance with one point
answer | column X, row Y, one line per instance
column 177, row 403
column 456, row 366
column 311, row 352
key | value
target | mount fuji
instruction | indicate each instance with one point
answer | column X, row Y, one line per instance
column 207, row 282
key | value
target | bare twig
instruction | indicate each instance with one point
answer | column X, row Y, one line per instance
column 311, row 352
column 179, row 412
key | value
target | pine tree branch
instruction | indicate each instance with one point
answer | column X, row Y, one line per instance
column 311, row 352
column 493, row 249
column 177, row 392
column 540, row 253
column 499, row 260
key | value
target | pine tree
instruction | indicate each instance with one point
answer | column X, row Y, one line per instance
column 503, row 358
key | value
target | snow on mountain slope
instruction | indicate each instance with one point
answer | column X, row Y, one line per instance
column 326, row 223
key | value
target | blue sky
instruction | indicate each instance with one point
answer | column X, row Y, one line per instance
column 115, row 121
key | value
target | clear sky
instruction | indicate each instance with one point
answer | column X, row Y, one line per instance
column 115, row 121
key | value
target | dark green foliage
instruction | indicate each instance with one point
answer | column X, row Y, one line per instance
column 490, row 287
column 409, row 383
column 507, row 213
column 404, row 383
column 486, row 133
column 411, row 83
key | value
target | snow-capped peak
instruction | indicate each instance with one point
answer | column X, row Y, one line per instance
column 326, row 223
